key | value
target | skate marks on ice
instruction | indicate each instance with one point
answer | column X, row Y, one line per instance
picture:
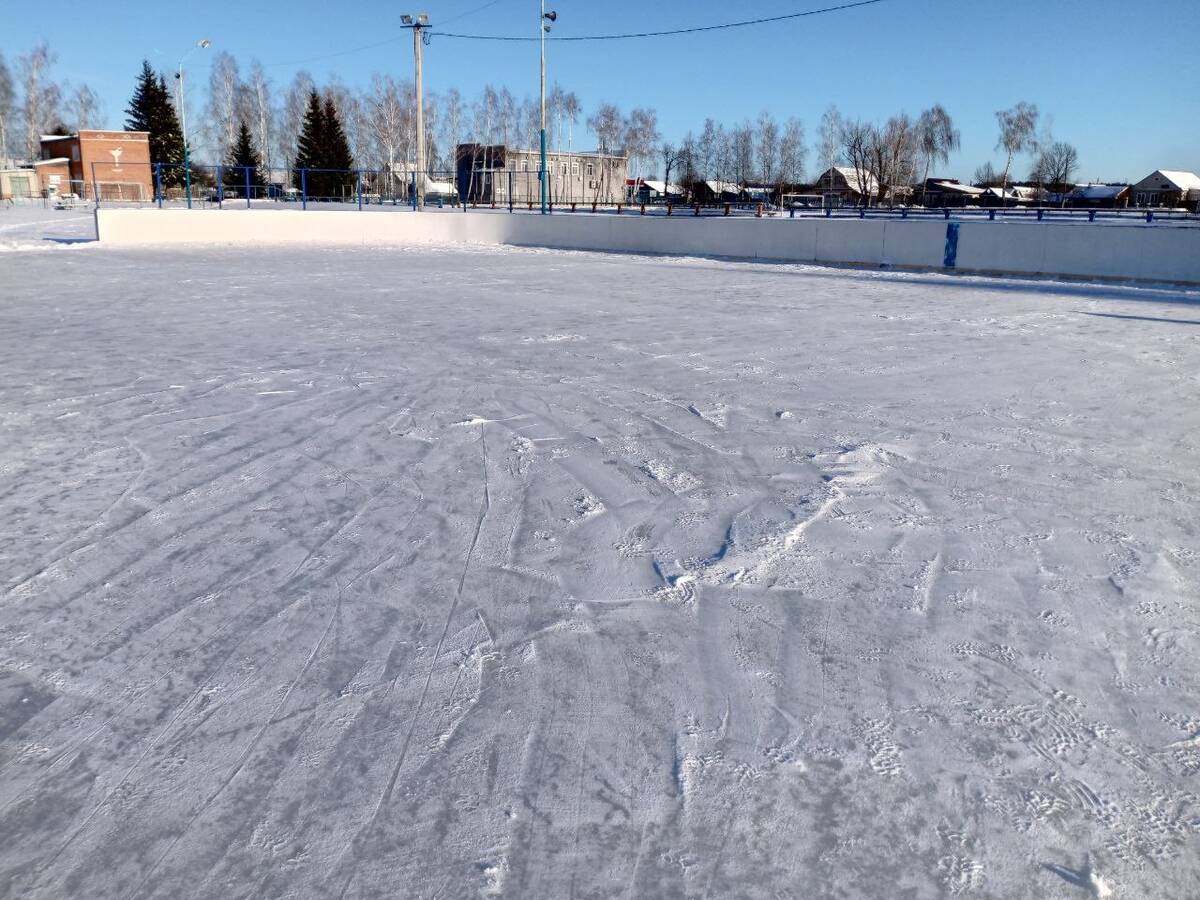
column 477, row 588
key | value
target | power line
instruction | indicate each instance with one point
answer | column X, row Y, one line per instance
column 382, row 43
column 471, row 12
column 650, row 34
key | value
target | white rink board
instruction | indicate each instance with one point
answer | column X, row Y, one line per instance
column 1160, row 253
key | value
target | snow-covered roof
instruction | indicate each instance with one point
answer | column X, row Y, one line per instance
column 1169, row 179
column 1097, row 191
column 1013, row 193
column 953, row 187
column 854, row 177
column 723, row 187
column 1185, row 181
column 661, row 187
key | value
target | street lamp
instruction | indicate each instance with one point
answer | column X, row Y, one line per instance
column 418, row 23
column 544, row 25
column 202, row 44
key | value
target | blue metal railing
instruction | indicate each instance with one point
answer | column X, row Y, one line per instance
column 170, row 184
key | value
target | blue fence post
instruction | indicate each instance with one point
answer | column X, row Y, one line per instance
column 1091, row 215
column 158, row 183
column 1149, row 212
column 510, row 190
column 247, row 187
column 412, row 191
column 904, row 213
column 220, row 187
column 1041, row 213
column 358, row 188
column 947, row 212
column 991, row 215
column 95, row 187
column 829, row 212
column 304, row 188
column 792, row 213
column 862, row 212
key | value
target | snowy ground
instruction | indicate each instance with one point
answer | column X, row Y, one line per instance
column 451, row 573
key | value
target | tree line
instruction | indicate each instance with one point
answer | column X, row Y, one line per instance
column 33, row 103
column 248, row 120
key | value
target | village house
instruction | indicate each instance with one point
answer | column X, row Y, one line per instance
column 844, row 186
column 1168, row 188
column 1098, row 196
column 939, row 193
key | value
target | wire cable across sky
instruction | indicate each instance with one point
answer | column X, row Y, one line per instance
column 634, row 35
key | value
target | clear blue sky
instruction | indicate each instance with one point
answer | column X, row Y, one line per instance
column 1120, row 78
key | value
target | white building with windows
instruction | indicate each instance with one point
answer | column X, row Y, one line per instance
column 495, row 173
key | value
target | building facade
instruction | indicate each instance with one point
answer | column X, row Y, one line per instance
column 844, row 186
column 114, row 164
column 1166, row 188
column 495, row 173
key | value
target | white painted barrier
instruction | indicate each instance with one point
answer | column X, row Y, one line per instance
column 1158, row 252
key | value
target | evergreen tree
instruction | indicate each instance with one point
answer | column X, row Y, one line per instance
column 243, row 156
column 337, row 152
column 310, row 143
column 150, row 109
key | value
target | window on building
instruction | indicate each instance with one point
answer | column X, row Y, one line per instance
column 525, row 165
column 563, row 168
column 591, row 170
column 574, row 168
column 74, row 153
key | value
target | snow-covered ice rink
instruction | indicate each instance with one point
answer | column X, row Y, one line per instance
column 487, row 572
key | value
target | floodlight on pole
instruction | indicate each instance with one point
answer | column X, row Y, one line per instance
column 202, row 44
column 544, row 24
column 418, row 23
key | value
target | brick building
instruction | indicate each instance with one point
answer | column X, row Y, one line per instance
column 116, row 164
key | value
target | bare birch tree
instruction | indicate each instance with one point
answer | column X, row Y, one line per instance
column 295, row 103
column 223, row 114
column 1055, row 166
column 792, row 151
column 707, row 149
column 767, row 140
column 830, row 138
column 1017, row 129
column 262, row 113
column 85, row 107
column 42, row 98
column 641, row 138
column 388, row 114
column 857, row 138
column 937, row 138
column 892, row 154
column 8, row 97
column 451, row 125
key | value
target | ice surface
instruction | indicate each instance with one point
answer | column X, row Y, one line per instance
column 455, row 573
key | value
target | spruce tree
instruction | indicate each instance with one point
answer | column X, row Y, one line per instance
column 150, row 109
column 310, row 144
column 243, row 156
column 337, row 151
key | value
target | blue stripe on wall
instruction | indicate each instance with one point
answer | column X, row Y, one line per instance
column 951, row 257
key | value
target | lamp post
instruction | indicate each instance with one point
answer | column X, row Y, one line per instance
column 202, row 44
column 544, row 24
column 417, row 23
